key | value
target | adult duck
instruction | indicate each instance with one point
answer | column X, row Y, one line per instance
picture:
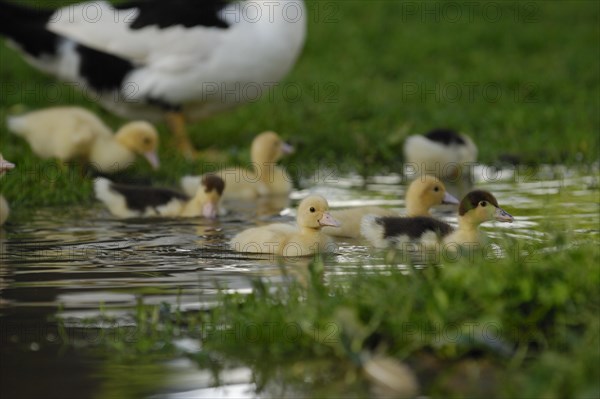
column 180, row 60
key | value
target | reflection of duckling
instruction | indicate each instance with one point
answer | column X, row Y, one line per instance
column 266, row 178
column 422, row 194
column 4, row 210
column 69, row 133
column 135, row 201
column 288, row 240
column 442, row 152
column 475, row 208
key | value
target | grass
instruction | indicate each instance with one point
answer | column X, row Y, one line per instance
column 518, row 326
column 522, row 79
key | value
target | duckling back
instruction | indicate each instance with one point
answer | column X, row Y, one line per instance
column 59, row 132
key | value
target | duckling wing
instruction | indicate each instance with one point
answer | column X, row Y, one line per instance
column 140, row 198
column 385, row 231
column 264, row 239
column 350, row 220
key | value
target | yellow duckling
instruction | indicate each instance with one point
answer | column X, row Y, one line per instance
column 136, row 201
column 476, row 208
column 69, row 133
column 288, row 240
column 265, row 178
column 441, row 152
column 4, row 209
column 422, row 194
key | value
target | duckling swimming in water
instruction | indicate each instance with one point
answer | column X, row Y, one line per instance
column 476, row 208
column 305, row 238
column 423, row 193
column 139, row 201
column 265, row 178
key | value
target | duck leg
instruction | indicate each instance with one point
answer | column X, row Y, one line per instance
column 176, row 122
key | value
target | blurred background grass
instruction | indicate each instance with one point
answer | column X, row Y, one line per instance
column 522, row 78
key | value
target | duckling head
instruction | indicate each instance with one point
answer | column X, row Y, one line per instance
column 141, row 138
column 481, row 206
column 313, row 213
column 426, row 192
column 268, row 147
column 209, row 194
column 5, row 165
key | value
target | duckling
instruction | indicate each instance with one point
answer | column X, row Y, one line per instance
column 442, row 152
column 288, row 240
column 137, row 201
column 69, row 133
column 4, row 209
column 476, row 208
column 422, row 194
column 265, row 178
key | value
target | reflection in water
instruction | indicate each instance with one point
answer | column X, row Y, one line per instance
column 80, row 262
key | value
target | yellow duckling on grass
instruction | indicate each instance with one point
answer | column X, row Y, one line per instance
column 476, row 208
column 126, row 201
column 263, row 179
column 4, row 209
column 73, row 133
column 423, row 193
column 303, row 239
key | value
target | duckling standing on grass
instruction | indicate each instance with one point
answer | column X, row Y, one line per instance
column 306, row 238
column 441, row 152
column 265, row 178
column 70, row 133
column 137, row 201
column 476, row 207
column 4, row 210
column 423, row 193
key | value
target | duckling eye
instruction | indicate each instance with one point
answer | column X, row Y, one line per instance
column 312, row 209
column 436, row 189
column 483, row 204
column 147, row 140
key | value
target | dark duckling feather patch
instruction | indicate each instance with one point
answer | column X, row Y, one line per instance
column 445, row 136
column 413, row 227
column 213, row 182
column 471, row 200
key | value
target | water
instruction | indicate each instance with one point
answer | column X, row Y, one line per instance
column 77, row 263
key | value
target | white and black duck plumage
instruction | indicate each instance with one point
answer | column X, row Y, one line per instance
column 127, row 201
column 443, row 152
column 179, row 59
column 475, row 208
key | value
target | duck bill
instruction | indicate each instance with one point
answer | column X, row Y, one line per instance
column 210, row 210
column 5, row 165
column 328, row 220
column 450, row 199
column 287, row 148
column 502, row 216
column 152, row 158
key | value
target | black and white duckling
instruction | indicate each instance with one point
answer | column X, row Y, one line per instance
column 304, row 238
column 423, row 194
column 127, row 201
column 70, row 133
column 476, row 208
column 4, row 209
column 442, row 152
column 264, row 179
column 180, row 60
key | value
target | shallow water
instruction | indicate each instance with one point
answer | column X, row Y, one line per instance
column 78, row 263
